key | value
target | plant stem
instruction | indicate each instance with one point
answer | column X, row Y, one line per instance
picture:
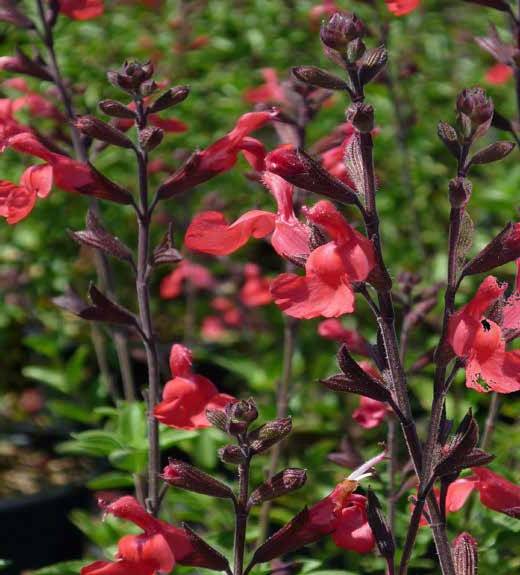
column 143, row 297
column 241, row 514
column 386, row 322
column 101, row 263
column 391, row 446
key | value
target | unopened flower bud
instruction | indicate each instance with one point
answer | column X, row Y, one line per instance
column 361, row 116
column 282, row 483
column 465, row 555
column 340, row 30
column 472, row 103
column 150, row 138
column 183, row 475
column 231, row 454
column 460, row 192
column 116, row 109
column 170, row 98
column 100, row 130
column 270, row 433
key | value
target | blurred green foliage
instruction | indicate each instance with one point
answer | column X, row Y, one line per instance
column 433, row 56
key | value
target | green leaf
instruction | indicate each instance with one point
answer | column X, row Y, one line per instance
column 64, row 568
column 171, row 437
column 133, row 460
column 73, row 411
column 111, row 480
column 131, row 423
column 52, row 377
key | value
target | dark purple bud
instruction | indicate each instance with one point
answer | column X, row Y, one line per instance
column 170, row 98
column 340, row 30
column 183, row 475
column 150, row 138
column 116, row 109
column 319, row 78
column 465, row 555
column 264, row 437
column 231, row 454
column 492, row 153
column 282, row 483
column 474, row 105
column 372, row 63
column 449, row 137
column 502, row 249
column 100, row 130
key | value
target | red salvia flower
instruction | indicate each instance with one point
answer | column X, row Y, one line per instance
column 210, row 233
column 499, row 74
column 157, row 549
column 326, row 289
column 222, row 155
column 256, row 289
column 69, row 175
column 271, row 92
column 197, row 275
column 480, row 342
column 17, row 201
column 341, row 514
column 456, row 497
column 402, row 7
column 333, row 329
column 187, row 396
column 496, row 492
column 37, row 105
column 81, row 9
column 213, row 329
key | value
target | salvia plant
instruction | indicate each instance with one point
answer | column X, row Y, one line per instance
column 325, row 227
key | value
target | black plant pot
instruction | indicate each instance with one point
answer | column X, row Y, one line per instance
column 36, row 530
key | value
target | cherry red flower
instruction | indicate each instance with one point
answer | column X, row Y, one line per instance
column 402, row 7
column 333, row 329
column 69, row 175
column 499, row 74
column 229, row 312
column 326, row 288
column 81, row 9
column 343, row 515
column 480, row 342
column 256, row 289
column 37, row 105
column 271, row 91
column 197, row 275
column 210, row 233
column 496, row 492
column 456, row 497
column 187, row 396
column 157, row 549
column 511, row 311
column 221, row 155
column 17, row 201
